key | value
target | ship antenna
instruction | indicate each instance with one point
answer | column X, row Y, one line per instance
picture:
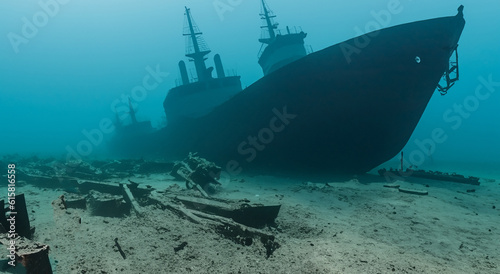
column 270, row 26
column 198, row 56
column 132, row 111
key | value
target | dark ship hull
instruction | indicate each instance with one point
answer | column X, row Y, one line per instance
column 347, row 108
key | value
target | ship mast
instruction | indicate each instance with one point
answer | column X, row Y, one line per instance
column 270, row 26
column 132, row 112
column 198, row 56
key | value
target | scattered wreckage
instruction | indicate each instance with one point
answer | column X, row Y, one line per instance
column 90, row 187
column 432, row 175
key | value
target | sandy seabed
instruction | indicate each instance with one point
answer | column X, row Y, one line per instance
column 328, row 225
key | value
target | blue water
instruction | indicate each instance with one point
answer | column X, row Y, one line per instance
column 67, row 66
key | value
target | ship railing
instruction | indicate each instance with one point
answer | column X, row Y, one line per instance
column 228, row 73
column 309, row 48
column 178, row 81
column 285, row 31
column 289, row 30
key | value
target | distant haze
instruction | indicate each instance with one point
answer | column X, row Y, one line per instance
column 66, row 65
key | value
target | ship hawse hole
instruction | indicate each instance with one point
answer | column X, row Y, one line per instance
column 417, row 59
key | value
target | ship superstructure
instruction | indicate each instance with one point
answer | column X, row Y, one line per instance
column 198, row 95
column 278, row 48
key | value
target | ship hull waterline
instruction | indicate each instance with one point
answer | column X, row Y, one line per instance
column 347, row 108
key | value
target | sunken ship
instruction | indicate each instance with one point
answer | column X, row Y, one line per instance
column 346, row 108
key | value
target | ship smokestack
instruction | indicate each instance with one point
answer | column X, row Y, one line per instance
column 218, row 66
column 184, row 74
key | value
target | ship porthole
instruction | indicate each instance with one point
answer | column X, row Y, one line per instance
column 417, row 59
